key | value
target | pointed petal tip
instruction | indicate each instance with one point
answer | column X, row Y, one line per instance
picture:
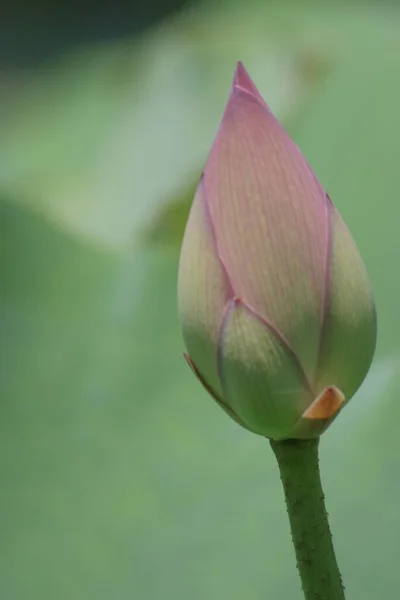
column 243, row 82
column 241, row 77
column 240, row 72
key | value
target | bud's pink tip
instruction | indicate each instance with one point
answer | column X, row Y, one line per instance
column 242, row 81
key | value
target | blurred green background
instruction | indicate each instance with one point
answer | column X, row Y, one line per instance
column 120, row 478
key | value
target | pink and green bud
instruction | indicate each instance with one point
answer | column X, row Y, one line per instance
column 274, row 299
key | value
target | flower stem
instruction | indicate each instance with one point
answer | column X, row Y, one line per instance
column 312, row 538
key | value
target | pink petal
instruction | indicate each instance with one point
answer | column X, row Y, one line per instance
column 271, row 220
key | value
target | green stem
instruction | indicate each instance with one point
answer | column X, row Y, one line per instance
column 312, row 538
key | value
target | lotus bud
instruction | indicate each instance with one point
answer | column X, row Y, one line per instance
column 274, row 300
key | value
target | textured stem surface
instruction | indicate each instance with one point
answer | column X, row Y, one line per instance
column 312, row 538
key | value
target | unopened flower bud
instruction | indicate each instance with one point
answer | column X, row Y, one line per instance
column 274, row 299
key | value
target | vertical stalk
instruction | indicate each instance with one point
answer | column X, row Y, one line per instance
column 311, row 535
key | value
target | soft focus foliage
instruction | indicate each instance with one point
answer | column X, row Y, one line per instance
column 119, row 478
